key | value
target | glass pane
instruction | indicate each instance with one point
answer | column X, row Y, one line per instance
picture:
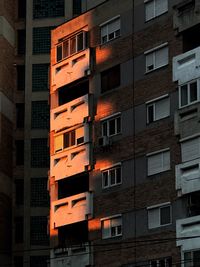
column 118, row 125
column 150, row 113
column 187, row 259
column 184, row 95
column 104, row 129
column 80, row 42
column 118, row 175
column 193, row 92
column 196, row 258
column 73, row 45
column 112, row 177
column 66, row 49
column 162, row 263
column 112, row 127
column 59, row 52
column 105, row 179
column 153, row 263
column 73, row 138
column 165, row 216
column 66, row 140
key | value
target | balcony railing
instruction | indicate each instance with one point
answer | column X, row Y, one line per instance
column 70, row 162
column 72, row 209
column 188, row 177
column 71, row 69
column 186, row 67
column 69, row 114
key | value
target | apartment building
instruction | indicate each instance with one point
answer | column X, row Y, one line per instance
column 124, row 136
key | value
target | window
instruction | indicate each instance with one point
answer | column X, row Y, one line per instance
column 40, row 115
column 111, row 126
column 110, row 78
column 39, row 192
column 48, row 8
column 39, row 261
column 111, row 227
column 21, row 42
column 110, row 30
column 191, row 258
column 19, row 192
column 39, row 230
column 189, row 93
column 19, row 230
column 21, row 9
column 72, row 138
column 164, row 262
column 71, row 46
column 19, row 144
column 158, row 161
column 39, row 153
column 158, row 109
column 154, row 8
column 18, row 261
column 76, row 7
column 159, row 216
column 111, row 176
column 40, row 76
column 20, row 115
column 20, row 77
column 190, row 149
column 41, row 40
column 156, row 58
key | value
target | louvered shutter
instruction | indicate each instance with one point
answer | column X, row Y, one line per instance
column 149, row 10
column 161, row 6
column 190, row 149
column 162, row 108
column 161, row 57
column 114, row 26
column 153, row 218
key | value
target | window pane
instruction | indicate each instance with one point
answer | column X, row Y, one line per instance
column 165, row 216
column 118, row 125
column 40, row 77
column 105, row 129
column 73, row 138
column 66, row 49
column 196, row 258
column 184, row 95
column 150, row 62
column 118, row 175
column 80, row 42
column 66, row 140
column 112, row 177
column 153, row 263
column 73, row 45
column 59, row 52
column 48, row 8
column 112, row 127
column 150, row 111
column 193, row 92
column 187, row 259
column 105, row 179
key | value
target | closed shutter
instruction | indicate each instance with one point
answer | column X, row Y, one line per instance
column 58, row 141
column 161, row 7
column 149, row 10
column 106, row 229
column 153, row 218
column 161, row 57
column 104, row 31
column 166, row 161
column 162, row 108
column 190, row 149
column 158, row 162
column 114, row 26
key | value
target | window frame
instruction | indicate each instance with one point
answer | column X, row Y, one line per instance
column 107, row 120
column 159, row 207
column 68, row 40
column 153, row 52
column 107, row 83
column 165, row 259
column 108, row 170
column 106, row 24
column 189, row 103
column 192, row 251
column 155, row 15
column 153, row 103
column 109, row 219
column 157, row 153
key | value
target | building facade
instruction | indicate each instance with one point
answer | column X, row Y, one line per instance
column 124, row 136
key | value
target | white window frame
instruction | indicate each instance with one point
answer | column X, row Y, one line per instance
column 117, row 231
column 188, row 93
column 159, row 207
column 161, row 152
column 191, row 256
column 108, row 171
column 107, row 121
column 158, row 261
column 105, row 26
column 154, row 6
column 153, row 52
column 153, row 103
column 69, row 45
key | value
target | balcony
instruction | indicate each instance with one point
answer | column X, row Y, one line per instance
column 70, row 114
column 186, row 121
column 71, row 69
column 70, row 162
column 186, row 15
column 72, row 209
column 186, row 67
column 76, row 256
column 188, row 177
column 186, row 230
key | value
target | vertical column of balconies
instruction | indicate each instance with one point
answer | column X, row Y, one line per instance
column 70, row 145
column 186, row 71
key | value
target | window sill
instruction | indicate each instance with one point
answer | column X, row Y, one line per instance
column 102, row 44
column 160, row 67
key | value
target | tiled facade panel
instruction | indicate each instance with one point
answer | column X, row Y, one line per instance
column 45, row 8
column 40, row 77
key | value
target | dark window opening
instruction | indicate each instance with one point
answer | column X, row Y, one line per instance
column 194, row 204
column 20, row 115
column 21, row 9
column 73, row 186
column 18, row 261
column 41, row 40
column 72, row 91
column 19, row 230
column 19, row 192
column 74, row 234
column 40, row 115
column 39, row 192
column 110, row 78
column 19, row 152
column 76, row 7
column 190, row 39
column 20, row 77
column 39, row 153
column 40, row 77
column 38, row 233
column 21, row 42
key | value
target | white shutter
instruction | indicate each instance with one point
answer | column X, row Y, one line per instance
column 190, row 149
column 162, row 108
column 166, row 160
column 116, row 222
column 161, row 57
column 114, row 26
column 104, row 31
column 154, row 163
column 153, row 218
column 149, row 10
column 161, row 6
column 106, row 229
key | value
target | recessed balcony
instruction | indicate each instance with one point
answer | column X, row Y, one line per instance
column 69, row 114
column 70, row 162
column 70, row 69
column 71, row 210
column 188, row 177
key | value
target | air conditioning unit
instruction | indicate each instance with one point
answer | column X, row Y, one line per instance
column 104, row 141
